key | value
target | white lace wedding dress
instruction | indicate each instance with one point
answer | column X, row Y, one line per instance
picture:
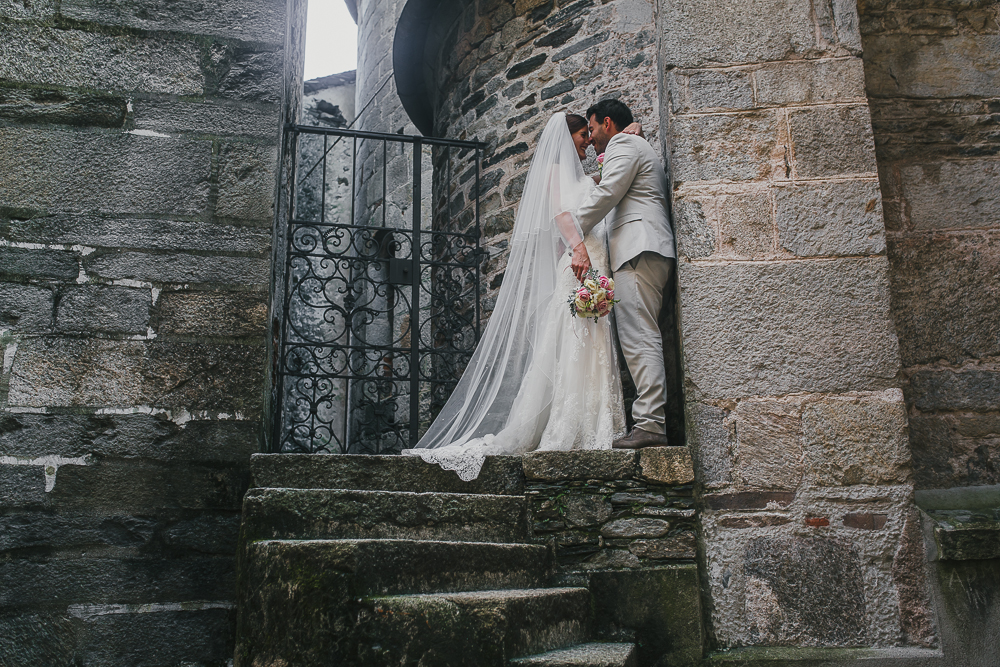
column 541, row 378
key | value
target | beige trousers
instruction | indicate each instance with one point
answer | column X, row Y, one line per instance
column 639, row 284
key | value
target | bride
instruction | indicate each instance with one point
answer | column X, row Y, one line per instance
column 541, row 378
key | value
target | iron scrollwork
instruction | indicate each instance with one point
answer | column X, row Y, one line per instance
column 381, row 305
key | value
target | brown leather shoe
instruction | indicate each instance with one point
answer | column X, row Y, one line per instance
column 640, row 438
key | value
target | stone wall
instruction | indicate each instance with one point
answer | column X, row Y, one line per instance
column 934, row 89
column 138, row 148
column 503, row 68
column 795, row 416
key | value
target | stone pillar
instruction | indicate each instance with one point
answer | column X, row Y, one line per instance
column 793, row 404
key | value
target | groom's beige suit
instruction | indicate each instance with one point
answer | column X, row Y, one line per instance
column 632, row 195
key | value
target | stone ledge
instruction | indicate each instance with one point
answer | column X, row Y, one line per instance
column 966, row 534
column 823, row 657
column 664, row 465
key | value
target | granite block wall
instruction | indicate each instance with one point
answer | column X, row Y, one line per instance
column 138, row 148
column 791, row 361
column 931, row 71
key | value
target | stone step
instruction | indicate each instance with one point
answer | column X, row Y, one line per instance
column 346, row 514
column 583, row 655
column 479, row 629
column 396, row 567
column 501, row 475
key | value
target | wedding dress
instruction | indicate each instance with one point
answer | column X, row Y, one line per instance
column 541, row 378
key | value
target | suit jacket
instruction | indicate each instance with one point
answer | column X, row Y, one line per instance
column 633, row 189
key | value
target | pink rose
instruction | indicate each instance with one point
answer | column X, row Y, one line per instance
column 603, row 307
column 611, row 295
column 583, row 294
column 604, row 282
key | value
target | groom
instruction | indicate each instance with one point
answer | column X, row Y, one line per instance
column 633, row 189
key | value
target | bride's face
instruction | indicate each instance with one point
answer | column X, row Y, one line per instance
column 581, row 139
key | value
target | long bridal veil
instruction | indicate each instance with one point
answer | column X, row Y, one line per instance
column 486, row 400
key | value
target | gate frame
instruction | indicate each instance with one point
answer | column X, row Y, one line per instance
column 291, row 133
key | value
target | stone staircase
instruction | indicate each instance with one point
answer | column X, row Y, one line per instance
column 361, row 560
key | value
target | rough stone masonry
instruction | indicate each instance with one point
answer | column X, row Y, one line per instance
column 138, row 146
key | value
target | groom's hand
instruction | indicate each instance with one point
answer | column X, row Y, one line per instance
column 581, row 261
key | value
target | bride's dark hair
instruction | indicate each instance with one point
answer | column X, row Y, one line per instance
column 575, row 122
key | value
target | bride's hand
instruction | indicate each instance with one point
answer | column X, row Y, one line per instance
column 634, row 128
column 581, row 261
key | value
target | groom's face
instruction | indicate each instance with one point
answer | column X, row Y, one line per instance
column 601, row 133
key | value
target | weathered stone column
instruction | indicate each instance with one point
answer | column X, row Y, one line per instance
column 793, row 407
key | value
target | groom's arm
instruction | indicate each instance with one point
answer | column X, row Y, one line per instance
column 621, row 164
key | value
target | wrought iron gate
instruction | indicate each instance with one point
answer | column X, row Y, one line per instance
column 381, row 302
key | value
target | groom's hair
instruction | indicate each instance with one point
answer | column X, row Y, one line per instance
column 619, row 114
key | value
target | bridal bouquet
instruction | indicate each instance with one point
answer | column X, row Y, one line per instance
column 594, row 298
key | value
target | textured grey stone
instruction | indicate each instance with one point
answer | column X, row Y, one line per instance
column 856, row 441
column 831, row 141
column 246, row 181
column 127, row 436
column 831, row 219
column 945, row 389
column 143, row 487
column 104, row 308
column 954, row 450
column 696, row 91
column 47, row 638
column 677, row 546
column 666, row 465
column 671, row 634
column 350, row 514
column 24, row 308
column 946, row 195
column 96, row 580
column 583, row 655
column 45, row 529
column 694, row 233
column 141, row 234
column 195, row 636
column 205, row 118
column 966, row 535
column 179, row 268
column 75, row 58
column 580, row 464
column 746, row 223
column 711, row 440
column 814, row 326
column 212, row 313
column 805, row 590
column 403, row 567
column 810, row 82
column 31, row 263
column 944, row 295
column 733, row 147
column 27, row 10
column 754, row 31
column 66, row 107
column 483, row 627
column 586, row 511
column 248, row 20
column 248, row 75
column 941, row 66
column 501, row 475
column 629, row 528
column 127, row 373
column 82, row 171
column 769, row 444
column 22, row 486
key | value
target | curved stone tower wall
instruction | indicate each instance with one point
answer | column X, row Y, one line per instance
column 503, row 68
